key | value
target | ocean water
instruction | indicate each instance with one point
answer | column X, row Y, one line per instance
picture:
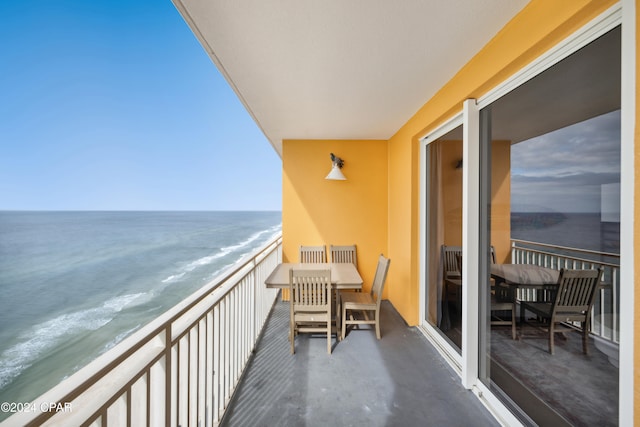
column 74, row 284
column 574, row 230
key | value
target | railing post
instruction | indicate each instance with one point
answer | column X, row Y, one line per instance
column 168, row 375
column 254, row 299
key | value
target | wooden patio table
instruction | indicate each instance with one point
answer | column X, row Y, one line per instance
column 343, row 276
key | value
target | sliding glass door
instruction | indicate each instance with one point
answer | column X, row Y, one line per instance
column 443, row 228
column 533, row 187
column 550, row 200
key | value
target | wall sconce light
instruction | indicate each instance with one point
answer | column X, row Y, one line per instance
column 336, row 173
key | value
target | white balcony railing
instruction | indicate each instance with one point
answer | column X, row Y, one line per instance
column 181, row 369
column 604, row 316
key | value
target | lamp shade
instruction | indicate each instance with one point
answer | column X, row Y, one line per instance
column 336, row 173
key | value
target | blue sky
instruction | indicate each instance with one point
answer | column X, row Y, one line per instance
column 114, row 105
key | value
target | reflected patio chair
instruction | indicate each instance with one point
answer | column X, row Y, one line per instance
column 452, row 277
column 310, row 304
column 313, row 254
column 502, row 299
column 572, row 302
column 344, row 254
column 368, row 304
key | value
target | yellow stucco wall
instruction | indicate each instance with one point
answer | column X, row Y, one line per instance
column 500, row 196
column 452, row 192
column 636, row 261
column 403, row 229
column 501, row 200
column 317, row 211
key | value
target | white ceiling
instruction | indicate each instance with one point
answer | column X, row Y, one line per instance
column 347, row 69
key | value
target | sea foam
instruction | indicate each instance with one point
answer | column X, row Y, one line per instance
column 46, row 335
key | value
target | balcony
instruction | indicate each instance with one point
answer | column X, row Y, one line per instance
column 209, row 360
column 399, row 380
column 221, row 357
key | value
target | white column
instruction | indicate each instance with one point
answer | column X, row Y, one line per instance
column 627, row 213
column 470, row 236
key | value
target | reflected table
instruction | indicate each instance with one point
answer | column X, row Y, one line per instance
column 537, row 283
column 525, row 275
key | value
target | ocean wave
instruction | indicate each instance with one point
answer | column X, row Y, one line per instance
column 174, row 277
column 119, row 338
column 47, row 335
column 222, row 252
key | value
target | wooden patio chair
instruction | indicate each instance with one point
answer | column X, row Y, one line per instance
column 310, row 304
column 572, row 302
column 368, row 304
column 313, row 254
column 344, row 254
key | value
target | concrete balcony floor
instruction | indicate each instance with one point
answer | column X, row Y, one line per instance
column 398, row 380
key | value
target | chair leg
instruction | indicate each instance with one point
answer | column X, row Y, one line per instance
column 585, row 337
column 377, row 314
column 338, row 311
column 344, row 322
column 551, row 334
column 292, row 338
column 513, row 321
column 329, row 336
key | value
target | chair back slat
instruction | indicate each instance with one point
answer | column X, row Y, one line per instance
column 313, row 254
column 380, row 278
column 344, row 254
column 449, row 254
column 310, row 289
column 576, row 291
